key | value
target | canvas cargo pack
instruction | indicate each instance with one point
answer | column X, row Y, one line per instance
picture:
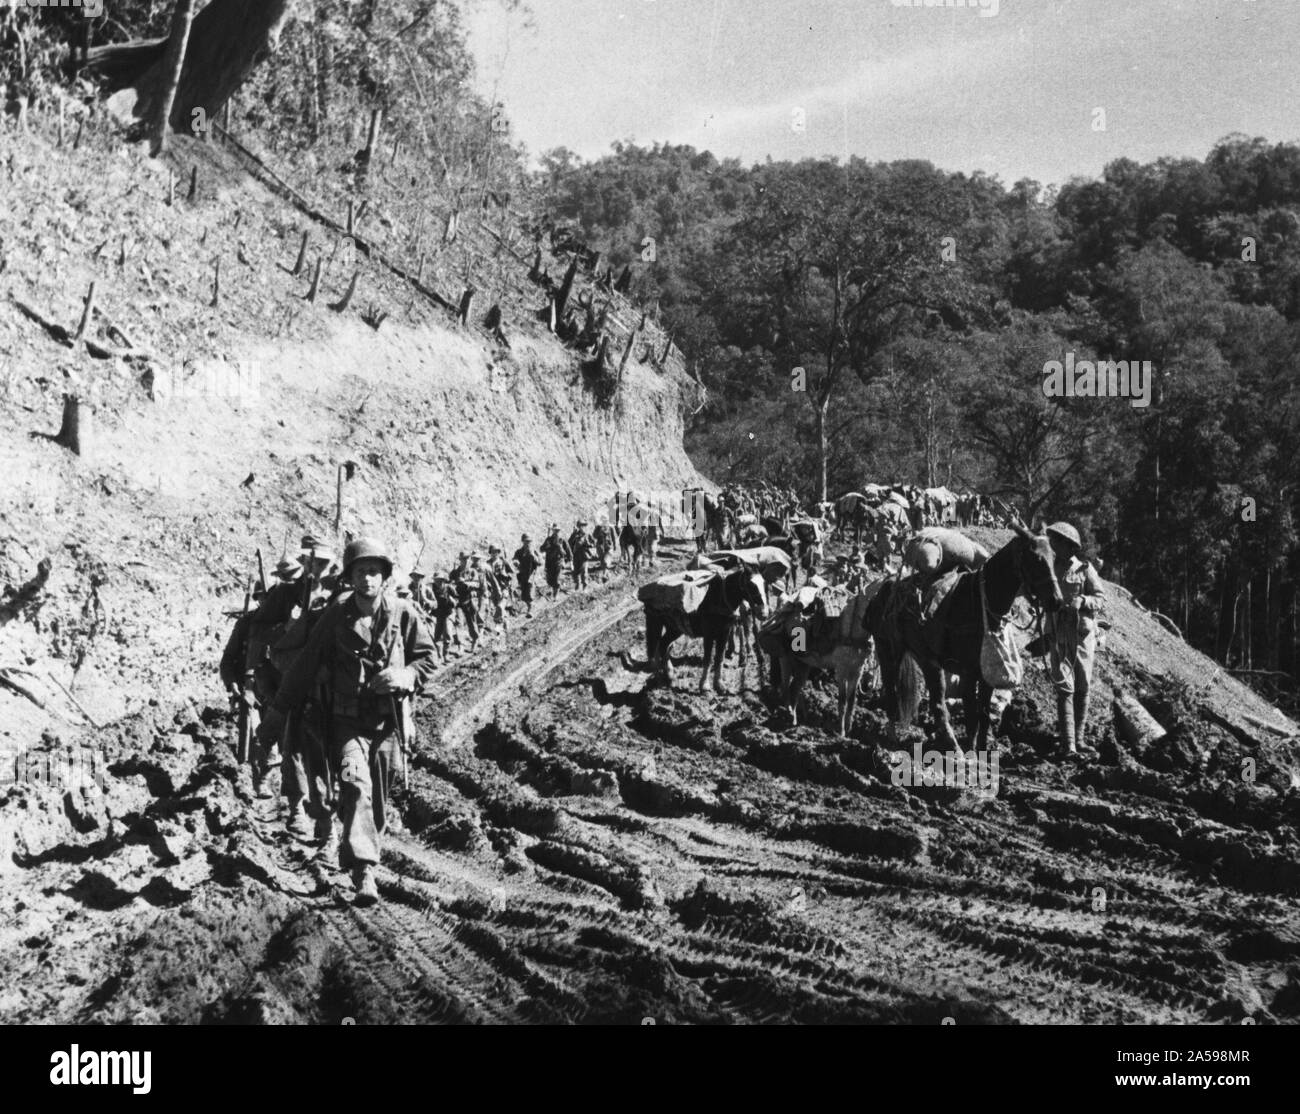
column 682, row 591
column 937, row 549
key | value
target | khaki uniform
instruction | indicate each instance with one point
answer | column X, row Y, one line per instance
column 1071, row 634
column 1072, row 631
column 331, row 679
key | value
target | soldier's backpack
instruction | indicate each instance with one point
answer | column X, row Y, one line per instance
column 443, row 604
column 293, row 639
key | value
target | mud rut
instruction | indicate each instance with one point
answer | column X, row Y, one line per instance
column 577, row 848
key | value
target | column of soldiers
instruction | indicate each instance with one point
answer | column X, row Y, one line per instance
column 331, row 658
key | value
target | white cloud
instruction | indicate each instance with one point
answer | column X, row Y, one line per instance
column 947, row 69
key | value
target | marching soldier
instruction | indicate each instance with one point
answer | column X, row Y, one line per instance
column 555, row 551
column 363, row 659
column 1071, row 634
column 526, row 564
column 467, row 605
column 604, row 547
column 580, row 547
column 495, row 587
column 277, row 632
column 421, row 593
column 443, row 607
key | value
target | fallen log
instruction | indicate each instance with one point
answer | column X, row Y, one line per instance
column 1277, row 729
column 1134, row 723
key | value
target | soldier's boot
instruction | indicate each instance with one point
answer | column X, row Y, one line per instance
column 296, row 824
column 1081, row 721
column 1065, row 723
column 327, row 839
column 1080, row 713
column 363, row 881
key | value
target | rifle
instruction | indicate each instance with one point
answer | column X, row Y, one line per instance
column 261, row 574
column 401, row 710
column 307, row 586
column 244, row 737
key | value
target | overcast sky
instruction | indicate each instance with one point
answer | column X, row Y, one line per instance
column 1012, row 94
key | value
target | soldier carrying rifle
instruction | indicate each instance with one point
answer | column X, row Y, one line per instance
column 278, row 631
column 365, row 656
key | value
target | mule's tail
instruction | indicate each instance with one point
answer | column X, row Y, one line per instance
column 910, row 683
column 653, row 633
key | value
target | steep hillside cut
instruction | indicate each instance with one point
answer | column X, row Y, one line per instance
column 224, row 426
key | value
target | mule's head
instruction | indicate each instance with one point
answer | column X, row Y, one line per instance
column 1037, row 572
column 753, row 590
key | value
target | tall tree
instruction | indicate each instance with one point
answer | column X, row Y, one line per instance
column 173, row 62
column 837, row 261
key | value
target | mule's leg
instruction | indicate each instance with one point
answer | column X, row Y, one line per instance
column 937, row 683
column 800, row 677
column 972, row 706
column 704, row 663
column 786, row 686
column 849, row 696
column 888, row 683
column 985, row 715
column 842, row 704
column 744, row 635
column 721, row 639
column 666, row 641
column 652, row 637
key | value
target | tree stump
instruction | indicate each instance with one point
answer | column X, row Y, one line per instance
column 566, row 288
column 86, row 312
column 466, row 301
column 302, row 256
column 71, row 432
column 341, row 306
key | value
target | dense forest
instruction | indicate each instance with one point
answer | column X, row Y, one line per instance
column 892, row 322
column 859, row 321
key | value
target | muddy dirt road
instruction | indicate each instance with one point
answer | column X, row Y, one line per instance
column 577, row 847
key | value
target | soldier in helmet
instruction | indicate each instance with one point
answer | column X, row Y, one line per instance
column 277, row 632
column 1071, row 635
column 365, row 656
column 555, row 552
column 526, row 564
column 581, row 546
column 496, row 579
column 288, row 570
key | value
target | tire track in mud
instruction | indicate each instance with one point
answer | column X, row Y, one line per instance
column 668, row 865
column 428, row 963
column 1152, row 953
column 556, row 652
column 413, row 956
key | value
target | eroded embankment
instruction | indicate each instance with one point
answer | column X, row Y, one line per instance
column 117, row 565
column 593, row 850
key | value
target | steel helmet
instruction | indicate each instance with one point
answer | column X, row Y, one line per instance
column 1067, row 532
column 366, row 547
